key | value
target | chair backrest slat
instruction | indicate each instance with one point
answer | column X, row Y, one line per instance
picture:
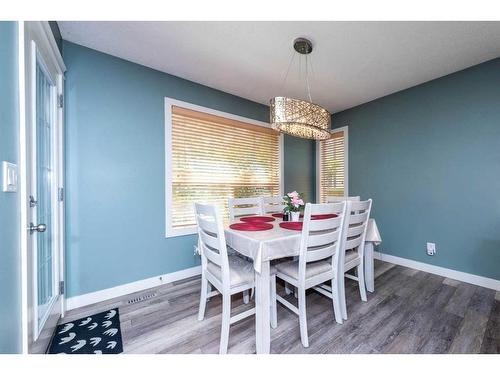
column 242, row 211
column 271, row 205
column 357, row 230
column 211, row 239
column 320, row 253
column 324, row 224
column 358, row 218
column 334, row 199
column 322, row 238
column 244, row 207
column 361, row 205
column 211, row 255
column 353, row 243
column 207, row 225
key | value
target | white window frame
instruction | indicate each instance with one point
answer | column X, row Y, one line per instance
column 170, row 231
column 345, row 129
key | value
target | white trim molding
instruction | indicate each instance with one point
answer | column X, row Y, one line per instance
column 23, row 203
column 52, row 45
column 485, row 282
column 36, row 42
column 133, row 287
column 169, row 102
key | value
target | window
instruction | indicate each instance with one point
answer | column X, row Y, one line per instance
column 332, row 165
column 212, row 156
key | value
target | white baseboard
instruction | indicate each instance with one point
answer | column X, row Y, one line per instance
column 441, row 271
column 136, row 286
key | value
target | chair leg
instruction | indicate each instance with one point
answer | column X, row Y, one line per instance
column 203, row 297
column 274, row 309
column 209, row 289
column 246, row 297
column 252, row 292
column 341, row 292
column 303, row 317
column 226, row 315
column 337, row 310
column 361, row 282
column 295, row 293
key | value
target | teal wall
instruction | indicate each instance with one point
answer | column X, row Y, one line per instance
column 10, row 280
column 429, row 156
column 115, row 168
column 300, row 167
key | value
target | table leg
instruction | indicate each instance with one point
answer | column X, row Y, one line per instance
column 262, row 306
column 369, row 267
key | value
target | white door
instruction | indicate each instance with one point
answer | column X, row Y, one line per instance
column 44, row 172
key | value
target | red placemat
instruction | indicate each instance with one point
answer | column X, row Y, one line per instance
column 292, row 225
column 323, row 217
column 251, row 226
column 257, row 219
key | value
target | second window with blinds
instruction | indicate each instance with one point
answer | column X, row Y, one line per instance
column 332, row 166
column 212, row 156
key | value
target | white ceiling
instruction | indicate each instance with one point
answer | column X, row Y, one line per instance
column 353, row 62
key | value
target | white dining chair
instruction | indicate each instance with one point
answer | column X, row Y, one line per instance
column 318, row 262
column 335, row 199
column 244, row 207
column 228, row 274
column 353, row 248
column 239, row 207
column 272, row 205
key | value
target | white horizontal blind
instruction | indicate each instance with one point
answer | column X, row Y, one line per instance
column 332, row 166
column 216, row 158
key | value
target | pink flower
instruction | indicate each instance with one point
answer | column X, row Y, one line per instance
column 293, row 194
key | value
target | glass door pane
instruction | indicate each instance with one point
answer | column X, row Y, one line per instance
column 45, row 102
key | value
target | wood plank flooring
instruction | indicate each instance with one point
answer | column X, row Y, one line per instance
column 410, row 312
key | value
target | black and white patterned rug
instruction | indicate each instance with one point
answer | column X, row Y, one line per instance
column 95, row 334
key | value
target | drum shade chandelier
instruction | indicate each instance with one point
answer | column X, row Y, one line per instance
column 296, row 117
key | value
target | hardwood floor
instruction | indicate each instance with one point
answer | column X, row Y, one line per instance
column 410, row 312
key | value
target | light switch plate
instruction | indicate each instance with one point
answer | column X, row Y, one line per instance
column 9, row 177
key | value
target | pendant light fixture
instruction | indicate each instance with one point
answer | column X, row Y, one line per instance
column 300, row 118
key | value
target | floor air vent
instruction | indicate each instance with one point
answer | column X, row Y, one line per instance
column 138, row 299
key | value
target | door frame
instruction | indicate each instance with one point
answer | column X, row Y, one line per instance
column 35, row 37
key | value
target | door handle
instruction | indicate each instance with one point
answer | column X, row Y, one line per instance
column 37, row 228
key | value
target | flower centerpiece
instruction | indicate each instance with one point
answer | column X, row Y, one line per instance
column 293, row 204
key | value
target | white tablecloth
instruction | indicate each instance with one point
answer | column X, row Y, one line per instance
column 263, row 246
column 372, row 233
column 278, row 242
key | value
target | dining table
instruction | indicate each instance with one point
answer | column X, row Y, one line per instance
column 264, row 246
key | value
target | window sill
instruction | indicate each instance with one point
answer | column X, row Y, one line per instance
column 178, row 232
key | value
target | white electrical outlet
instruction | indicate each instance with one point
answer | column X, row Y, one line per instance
column 431, row 248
